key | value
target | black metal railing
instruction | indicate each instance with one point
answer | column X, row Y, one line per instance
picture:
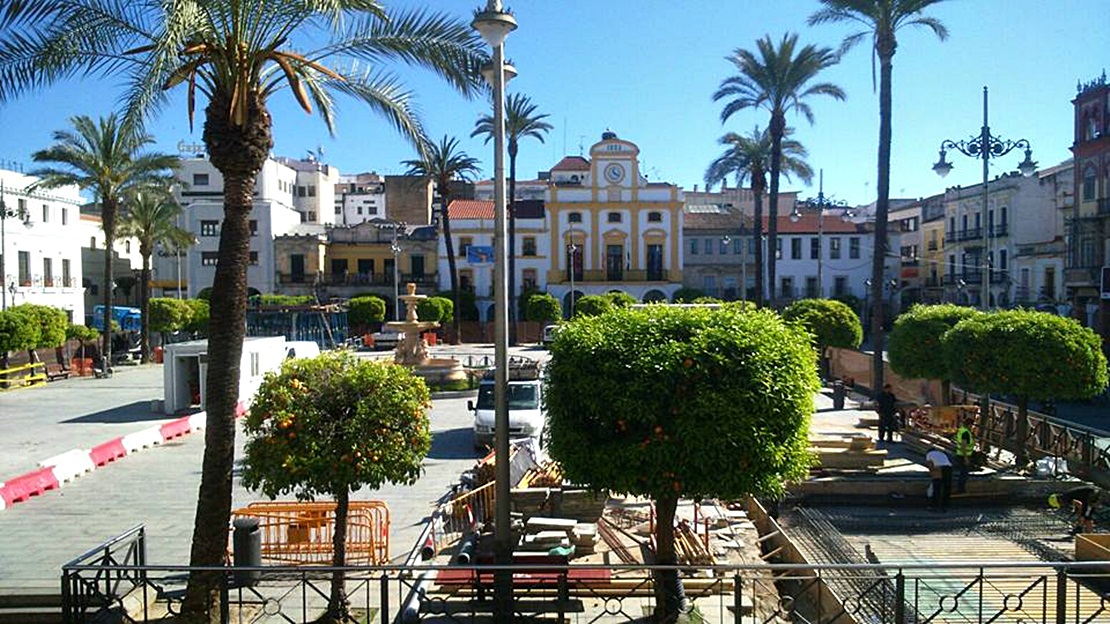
column 114, row 569
column 996, row 592
column 1083, row 448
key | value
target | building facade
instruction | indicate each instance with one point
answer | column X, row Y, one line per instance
column 40, row 245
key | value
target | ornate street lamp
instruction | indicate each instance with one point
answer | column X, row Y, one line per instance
column 494, row 24
column 821, row 204
column 985, row 146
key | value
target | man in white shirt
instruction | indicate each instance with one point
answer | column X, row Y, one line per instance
column 940, row 470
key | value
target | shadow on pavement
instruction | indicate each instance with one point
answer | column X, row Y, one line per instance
column 453, row 444
column 138, row 411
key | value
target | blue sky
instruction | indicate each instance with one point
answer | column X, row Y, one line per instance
column 647, row 69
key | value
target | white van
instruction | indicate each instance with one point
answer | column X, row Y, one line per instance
column 525, row 399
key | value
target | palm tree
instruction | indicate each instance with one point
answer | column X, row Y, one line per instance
column 748, row 158
column 880, row 19
column 521, row 121
column 443, row 164
column 152, row 219
column 104, row 157
column 778, row 80
column 236, row 55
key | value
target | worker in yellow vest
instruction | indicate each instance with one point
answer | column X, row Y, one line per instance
column 965, row 448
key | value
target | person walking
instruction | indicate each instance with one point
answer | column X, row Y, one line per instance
column 940, row 471
column 886, row 402
column 965, row 449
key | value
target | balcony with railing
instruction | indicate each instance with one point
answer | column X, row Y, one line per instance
column 1000, row 230
column 626, row 275
column 427, row 280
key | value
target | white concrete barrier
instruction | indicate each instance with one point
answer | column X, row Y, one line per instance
column 198, row 421
column 151, row 436
column 69, row 465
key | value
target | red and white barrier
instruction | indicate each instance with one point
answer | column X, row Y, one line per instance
column 67, row 466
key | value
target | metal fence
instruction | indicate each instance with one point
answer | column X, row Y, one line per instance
column 111, row 583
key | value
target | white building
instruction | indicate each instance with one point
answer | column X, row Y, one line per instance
column 40, row 245
column 823, row 256
column 472, row 225
column 275, row 212
column 359, row 198
column 313, row 189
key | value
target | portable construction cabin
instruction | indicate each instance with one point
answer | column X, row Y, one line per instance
column 185, row 368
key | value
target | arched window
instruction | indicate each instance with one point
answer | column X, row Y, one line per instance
column 1089, row 183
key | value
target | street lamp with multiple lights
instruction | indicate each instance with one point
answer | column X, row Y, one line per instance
column 821, row 204
column 985, row 146
column 494, row 24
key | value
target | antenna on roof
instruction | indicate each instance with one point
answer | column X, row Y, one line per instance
column 581, row 146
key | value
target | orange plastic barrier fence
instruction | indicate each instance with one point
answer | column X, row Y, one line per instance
column 301, row 533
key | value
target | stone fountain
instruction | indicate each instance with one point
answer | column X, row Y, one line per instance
column 411, row 350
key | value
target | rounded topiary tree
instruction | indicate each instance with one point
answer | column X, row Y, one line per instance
column 914, row 345
column 592, row 305
column 706, row 299
column 620, row 299
column 167, row 315
column 199, row 312
column 687, row 295
column 674, row 403
column 18, row 330
column 364, row 311
column 1031, row 355
column 542, row 308
column 332, row 424
column 82, row 334
column 436, row 310
column 52, row 324
column 830, row 322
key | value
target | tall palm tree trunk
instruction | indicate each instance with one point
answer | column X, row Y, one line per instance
column 452, row 265
column 778, row 129
column 758, row 234
column 882, row 209
column 512, row 242
column 238, row 152
column 108, row 220
column 337, row 603
column 144, row 305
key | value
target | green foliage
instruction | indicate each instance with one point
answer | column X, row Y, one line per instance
column 18, row 330
column 830, row 322
column 282, row 301
column 333, row 424
column 1030, row 354
column 436, row 309
column 592, row 305
column 198, row 316
column 168, row 315
column 468, row 304
column 542, row 308
column 687, row 295
column 914, row 345
column 205, row 293
column 621, row 299
column 706, row 300
column 695, row 402
column 82, row 333
column 362, row 311
column 51, row 322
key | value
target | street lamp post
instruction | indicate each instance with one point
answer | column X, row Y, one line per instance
column 494, row 24
column 985, row 146
column 571, row 262
column 821, row 204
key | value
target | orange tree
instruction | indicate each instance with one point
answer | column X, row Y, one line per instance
column 673, row 403
column 329, row 425
column 914, row 345
column 1031, row 355
column 831, row 323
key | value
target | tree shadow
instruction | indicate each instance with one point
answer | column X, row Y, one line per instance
column 139, row 411
column 453, row 444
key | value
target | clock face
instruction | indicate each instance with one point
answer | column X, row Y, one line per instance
column 614, row 172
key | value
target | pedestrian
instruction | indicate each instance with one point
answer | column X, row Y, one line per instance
column 1082, row 501
column 965, row 449
column 940, row 471
column 885, row 404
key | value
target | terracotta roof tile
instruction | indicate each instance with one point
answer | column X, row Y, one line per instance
column 470, row 209
column 572, row 163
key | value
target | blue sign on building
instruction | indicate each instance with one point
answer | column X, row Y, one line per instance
column 479, row 254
